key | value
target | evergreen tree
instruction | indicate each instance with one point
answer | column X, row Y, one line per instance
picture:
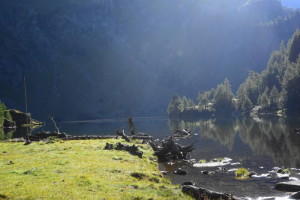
column 211, row 94
column 291, row 89
column 185, row 103
column 263, row 99
column 294, row 47
column 274, row 99
column 203, row 98
column 175, row 106
column 2, row 113
column 243, row 102
column 247, row 105
column 191, row 104
column 223, row 101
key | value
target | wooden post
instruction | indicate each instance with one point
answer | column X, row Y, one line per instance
column 131, row 126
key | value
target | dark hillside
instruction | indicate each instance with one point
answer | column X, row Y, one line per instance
column 114, row 58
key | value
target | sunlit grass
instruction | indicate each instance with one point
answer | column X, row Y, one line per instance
column 242, row 173
column 80, row 170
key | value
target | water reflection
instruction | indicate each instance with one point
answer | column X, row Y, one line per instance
column 9, row 133
column 273, row 137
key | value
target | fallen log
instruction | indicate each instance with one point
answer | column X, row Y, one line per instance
column 45, row 134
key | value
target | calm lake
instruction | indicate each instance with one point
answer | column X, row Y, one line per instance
column 258, row 145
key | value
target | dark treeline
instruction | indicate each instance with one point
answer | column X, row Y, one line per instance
column 276, row 90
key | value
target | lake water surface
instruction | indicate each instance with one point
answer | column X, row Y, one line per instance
column 258, row 145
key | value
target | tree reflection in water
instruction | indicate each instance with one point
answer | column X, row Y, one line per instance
column 274, row 138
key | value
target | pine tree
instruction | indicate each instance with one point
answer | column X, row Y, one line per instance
column 175, row 106
column 185, row 103
column 274, row 99
column 247, row 105
column 203, row 99
column 291, row 94
column 294, row 47
column 2, row 113
column 191, row 104
column 223, row 101
column 263, row 99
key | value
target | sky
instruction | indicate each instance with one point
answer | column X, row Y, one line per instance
column 291, row 3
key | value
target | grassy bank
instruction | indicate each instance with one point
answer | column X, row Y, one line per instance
column 80, row 170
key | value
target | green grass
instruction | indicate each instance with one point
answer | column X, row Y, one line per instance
column 80, row 170
column 242, row 173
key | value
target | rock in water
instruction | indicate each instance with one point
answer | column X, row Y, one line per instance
column 180, row 172
column 201, row 193
column 290, row 186
column 188, row 183
column 295, row 195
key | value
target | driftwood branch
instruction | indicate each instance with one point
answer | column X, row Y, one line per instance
column 123, row 135
column 54, row 124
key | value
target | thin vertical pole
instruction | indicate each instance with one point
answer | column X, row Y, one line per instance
column 26, row 109
column 25, row 93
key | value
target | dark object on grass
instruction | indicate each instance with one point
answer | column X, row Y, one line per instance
column 108, row 146
column 171, row 150
column 131, row 125
column 201, row 193
column 180, row 171
column 289, row 186
column 27, row 142
column 138, row 175
column 133, row 150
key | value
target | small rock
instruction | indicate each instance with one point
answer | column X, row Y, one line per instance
column 164, row 172
column 206, row 172
column 252, row 173
column 222, row 169
column 188, row 183
column 180, row 172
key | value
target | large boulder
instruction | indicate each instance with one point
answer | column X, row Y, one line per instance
column 290, row 186
column 19, row 117
column 295, row 195
column 199, row 193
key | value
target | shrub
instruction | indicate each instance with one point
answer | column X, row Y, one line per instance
column 242, row 173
